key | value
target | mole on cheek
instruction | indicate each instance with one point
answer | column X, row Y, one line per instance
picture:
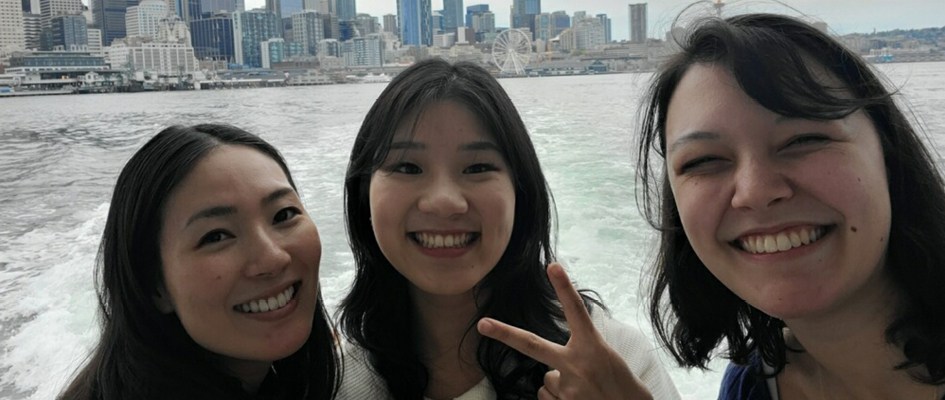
column 219, row 277
column 853, row 229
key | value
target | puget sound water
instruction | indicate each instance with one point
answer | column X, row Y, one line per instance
column 60, row 155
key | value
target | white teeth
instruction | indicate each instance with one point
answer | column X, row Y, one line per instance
column 435, row 241
column 268, row 304
column 781, row 241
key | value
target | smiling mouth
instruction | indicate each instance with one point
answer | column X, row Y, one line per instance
column 781, row 241
column 437, row 241
column 269, row 303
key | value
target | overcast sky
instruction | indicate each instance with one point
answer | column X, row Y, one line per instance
column 843, row 16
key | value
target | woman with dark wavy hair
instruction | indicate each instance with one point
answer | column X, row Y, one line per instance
column 449, row 219
column 208, row 278
column 801, row 218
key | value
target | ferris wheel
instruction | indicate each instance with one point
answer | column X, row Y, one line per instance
column 511, row 51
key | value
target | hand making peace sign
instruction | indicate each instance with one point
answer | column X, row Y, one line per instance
column 586, row 367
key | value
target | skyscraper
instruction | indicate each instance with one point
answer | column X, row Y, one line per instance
column 416, row 22
column 524, row 12
column 11, row 28
column 51, row 8
column 143, row 19
column 346, row 10
column 638, row 23
column 250, row 28
column 473, row 10
column 452, row 15
column 69, row 33
column 212, row 38
column 390, row 24
column 109, row 16
column 605, row 22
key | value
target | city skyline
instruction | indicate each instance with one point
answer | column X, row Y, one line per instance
column 842, row 16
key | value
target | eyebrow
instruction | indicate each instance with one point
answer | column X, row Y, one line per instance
column 692, row 137
column 222, row 211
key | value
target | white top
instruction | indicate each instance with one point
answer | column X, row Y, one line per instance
column 361, row 382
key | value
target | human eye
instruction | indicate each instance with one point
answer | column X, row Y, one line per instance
column 286, row 214
column 480, row 168
column 807, row 139
column 698, row 164
column 212, row 237
column 404, row 168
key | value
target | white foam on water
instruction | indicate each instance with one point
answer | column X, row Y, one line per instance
column 53, row 303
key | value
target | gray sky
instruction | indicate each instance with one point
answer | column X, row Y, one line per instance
column 843, row 16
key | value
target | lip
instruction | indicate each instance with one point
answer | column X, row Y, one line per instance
column 290, row 306
column 444, row 252
column 826, row 234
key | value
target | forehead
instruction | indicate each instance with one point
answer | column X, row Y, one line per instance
column 442, row 119
column 227, row 172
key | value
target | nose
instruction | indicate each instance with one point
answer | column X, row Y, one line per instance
column 443, row 197
column 760, row 184
column 266, row 255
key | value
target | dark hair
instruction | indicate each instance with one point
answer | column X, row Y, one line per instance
column 771, row 57
column 377, row 314
column 144, row 353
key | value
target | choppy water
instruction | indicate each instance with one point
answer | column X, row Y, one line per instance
column 59, row 157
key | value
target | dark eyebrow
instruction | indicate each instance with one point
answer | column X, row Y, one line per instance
column 407, row 145
column 691, row 137
column 222, row 211
column 480, row 145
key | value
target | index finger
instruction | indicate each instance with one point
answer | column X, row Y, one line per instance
column 575, row 311
column 529, row 344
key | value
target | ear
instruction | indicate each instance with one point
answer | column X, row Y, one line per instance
column 162, row 300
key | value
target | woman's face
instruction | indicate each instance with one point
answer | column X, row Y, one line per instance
column 792, row 215
column 240, row 259
column 442, row 203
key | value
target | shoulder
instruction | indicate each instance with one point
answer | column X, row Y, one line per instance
column 359, row 380
column 744, row 382
column 637, row 351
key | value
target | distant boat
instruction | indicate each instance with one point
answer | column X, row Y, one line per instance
column 372, row 78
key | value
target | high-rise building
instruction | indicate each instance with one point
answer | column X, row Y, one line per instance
column 95, row 42
column 364, row 51
column 144, row 19
column 605, row 22
column 473, row 10
column 390, row 24
column 250, row 28
column 561, row 21
column 452, row 15
column 32, row 29
column 638, row 23
column 12, row 37
column 544, row 27
column 69, row 33
column 416, row 22
column 524, row 12
column 284, row 8
column 109, row 16
column 346, row 10
column 52, row 8
column 437, row 22
column 588, row 33
column 483, row 23
column 367, row 24
column 212, row 38
column 308, row 31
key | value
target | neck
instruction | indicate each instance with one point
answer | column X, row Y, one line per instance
column 446, row 344
column 846, row 353
column 251, row 373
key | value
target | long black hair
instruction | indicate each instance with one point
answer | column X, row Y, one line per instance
column 144, row 353
column 377, row 313
column 773, row 58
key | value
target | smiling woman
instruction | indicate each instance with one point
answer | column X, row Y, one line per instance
column 799, row 201
column 209, row 277
column 449, row 219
